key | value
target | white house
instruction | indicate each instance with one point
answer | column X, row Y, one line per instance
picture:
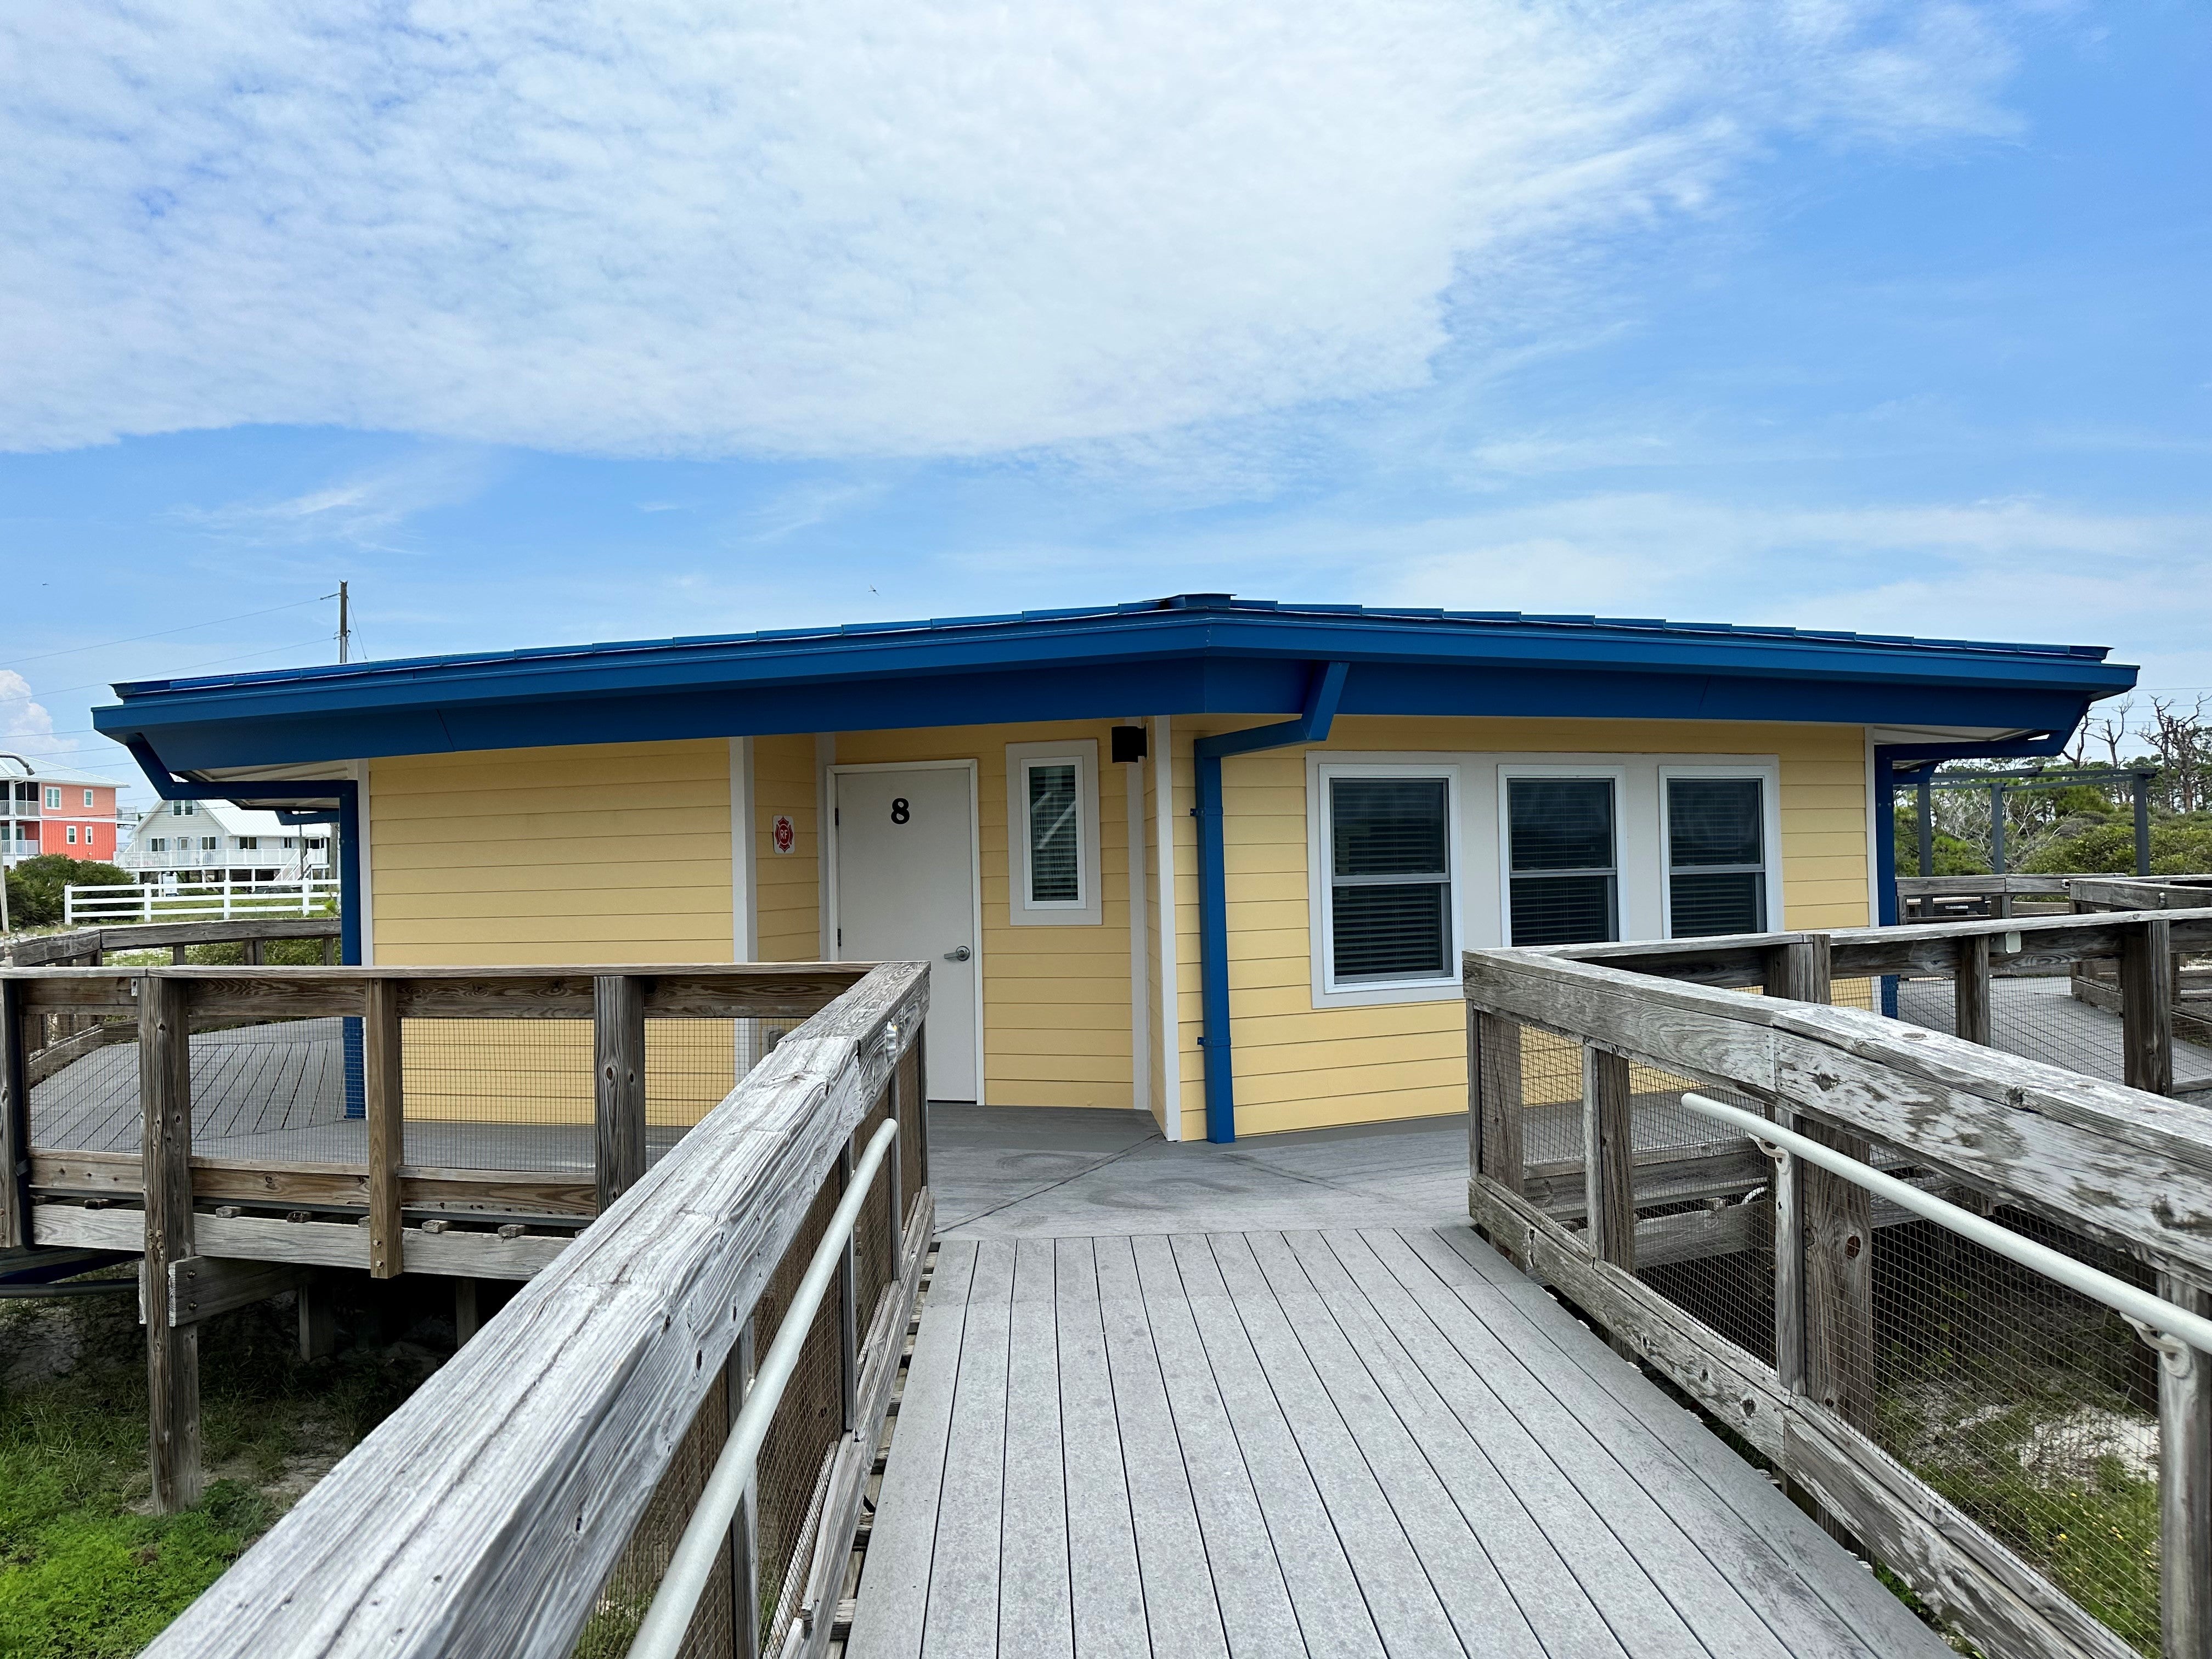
column 214, row 841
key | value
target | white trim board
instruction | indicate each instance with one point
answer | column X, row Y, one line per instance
column 745, row 875
column 1141, row 1025
column 1170, row 1105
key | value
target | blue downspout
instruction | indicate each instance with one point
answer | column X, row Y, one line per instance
column 346, row 816
column 1207, row 753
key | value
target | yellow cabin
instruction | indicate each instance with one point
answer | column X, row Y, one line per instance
column 1209, row 859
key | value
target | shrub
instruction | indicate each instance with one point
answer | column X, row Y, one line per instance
column 35, row 886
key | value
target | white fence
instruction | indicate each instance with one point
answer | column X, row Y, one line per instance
column 211, row 901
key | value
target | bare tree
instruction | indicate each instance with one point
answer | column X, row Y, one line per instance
column 2109, row 731
column 2184, row 742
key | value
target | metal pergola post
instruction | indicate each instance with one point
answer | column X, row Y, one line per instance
column 2142, row 823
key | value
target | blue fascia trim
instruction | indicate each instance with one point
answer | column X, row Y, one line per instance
column 346, row 815
column 1118, row 636
column 197, row 737
column 1326, row 691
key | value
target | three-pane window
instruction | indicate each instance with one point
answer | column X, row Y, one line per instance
column 1563, row 885
column 1390, row 879
column 1715, row 856
column 1055, row 833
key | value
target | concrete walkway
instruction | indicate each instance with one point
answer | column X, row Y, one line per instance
column 1046, row 1172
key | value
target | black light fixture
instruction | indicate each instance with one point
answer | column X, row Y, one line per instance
column 1129, row 745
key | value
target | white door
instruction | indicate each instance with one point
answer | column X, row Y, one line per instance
column 906, row 892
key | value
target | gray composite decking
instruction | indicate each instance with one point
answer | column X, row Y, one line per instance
column 1380, row 1441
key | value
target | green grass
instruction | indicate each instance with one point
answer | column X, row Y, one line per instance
column 84, row 1570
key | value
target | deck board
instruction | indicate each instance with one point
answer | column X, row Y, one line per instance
column 1383, row 1442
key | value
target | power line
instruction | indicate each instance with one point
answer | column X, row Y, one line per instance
column 164, row 632
column 95, row 685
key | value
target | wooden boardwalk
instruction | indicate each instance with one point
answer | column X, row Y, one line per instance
column 1374, row 1441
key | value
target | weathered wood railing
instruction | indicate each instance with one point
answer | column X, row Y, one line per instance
column 529, row 1492
column 1930, row 898
column 2117, row 1168
column 2142, row 949
column 209, row 1225
column 89, row 947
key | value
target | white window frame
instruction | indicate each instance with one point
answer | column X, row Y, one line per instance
column 1770, row 814
column 1085, row 910
column 1507, row 771
column 71, row 835
column 54, row 798
column 1320, row 768
column 87, row 798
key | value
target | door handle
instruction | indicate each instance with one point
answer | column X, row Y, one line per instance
column 961, row 954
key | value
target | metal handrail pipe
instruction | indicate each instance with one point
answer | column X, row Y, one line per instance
column 2127, row 1300
column 661, row 1634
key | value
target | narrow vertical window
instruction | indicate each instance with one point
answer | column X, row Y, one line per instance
column 1055, row 834
column 1389, row 879
column 1715, row 856
column 1564, row 872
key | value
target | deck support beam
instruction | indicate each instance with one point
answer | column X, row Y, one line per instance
column 173, row 1349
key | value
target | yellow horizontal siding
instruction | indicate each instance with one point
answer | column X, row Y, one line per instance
column 600, row 853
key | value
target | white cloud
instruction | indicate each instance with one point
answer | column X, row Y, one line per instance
column 937, row 229
column 25, row 727
column 363, row 510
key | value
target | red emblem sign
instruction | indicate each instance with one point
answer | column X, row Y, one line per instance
column 784, row 834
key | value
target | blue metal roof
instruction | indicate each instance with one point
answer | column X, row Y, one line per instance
column 1191, row 653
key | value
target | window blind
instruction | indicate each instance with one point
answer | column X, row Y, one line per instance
column 1056, row 850
column 1389, row 879
column 1715, row 856
column 1563, row 872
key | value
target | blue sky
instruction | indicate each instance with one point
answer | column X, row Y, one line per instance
column 537, row 326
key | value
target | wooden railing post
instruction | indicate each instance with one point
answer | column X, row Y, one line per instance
column 2185, row 1482
column 2147, row 1004
column 1970, row 990
column 172, row 1350
column 618, row 1047
column 14, row 1116
column 1824, row 1244
column 895, row 1203
column 386, row 1108
column 1609, row 1158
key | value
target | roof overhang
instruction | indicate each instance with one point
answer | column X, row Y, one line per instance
column 1208, row 656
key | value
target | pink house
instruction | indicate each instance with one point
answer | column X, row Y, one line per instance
column 44, row 808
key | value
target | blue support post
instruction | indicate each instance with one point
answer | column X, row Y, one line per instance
column 1207, row 753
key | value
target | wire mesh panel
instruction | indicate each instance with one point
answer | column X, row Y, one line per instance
column 793, row 1470
column 499, row 1094
column 691, row 1066
column 1551, row 1118
column 630, row 1588
column 272, row 1089
column 1704, row 1202
column 84, row 1085
column 2031, row 1408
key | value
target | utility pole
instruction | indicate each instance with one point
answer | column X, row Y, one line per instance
column 345, row 633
